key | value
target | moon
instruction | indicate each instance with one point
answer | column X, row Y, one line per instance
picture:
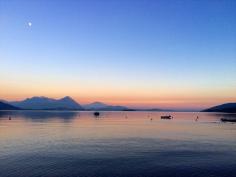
column 29, row 24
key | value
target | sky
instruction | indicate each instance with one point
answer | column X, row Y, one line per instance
column 177, row 54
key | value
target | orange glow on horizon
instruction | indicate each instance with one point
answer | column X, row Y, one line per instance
column 148, row 97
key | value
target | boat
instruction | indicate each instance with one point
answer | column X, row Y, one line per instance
column 96, row 114
column 227, row 120
column 167, row 117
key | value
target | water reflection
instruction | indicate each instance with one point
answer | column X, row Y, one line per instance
column 120, row 144
column 222, row 115
column 67, row 116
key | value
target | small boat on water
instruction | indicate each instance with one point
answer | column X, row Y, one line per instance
column 227, row 120
column 167, row 117
column 96, row 114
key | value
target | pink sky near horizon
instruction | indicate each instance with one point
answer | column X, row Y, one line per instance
column 178, row 100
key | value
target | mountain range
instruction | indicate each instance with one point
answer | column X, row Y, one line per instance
column 67, row 103
column 44, row 103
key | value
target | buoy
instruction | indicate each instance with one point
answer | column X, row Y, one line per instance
column 197, row 118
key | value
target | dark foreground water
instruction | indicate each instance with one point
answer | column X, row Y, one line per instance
column 117, row 144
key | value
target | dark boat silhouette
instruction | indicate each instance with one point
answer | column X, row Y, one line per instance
column 227, row 120
column 167, row 117
column 96, row 114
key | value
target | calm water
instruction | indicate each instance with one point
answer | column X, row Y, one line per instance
column 117, row 144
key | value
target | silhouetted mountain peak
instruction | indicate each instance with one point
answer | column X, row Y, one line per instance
column 102, row 106
column 67, row 98
column 97, row 103
column 48, row 103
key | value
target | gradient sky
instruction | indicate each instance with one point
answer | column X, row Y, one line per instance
column 152, row 53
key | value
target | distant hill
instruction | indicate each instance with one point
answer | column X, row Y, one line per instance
column 99, row 106
column 227, row 107
column 95, row 105
column 153, row 110
column 5, row 106
column 44, row 103
column 104, row 107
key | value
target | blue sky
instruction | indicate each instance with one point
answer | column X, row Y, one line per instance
column 157, row 51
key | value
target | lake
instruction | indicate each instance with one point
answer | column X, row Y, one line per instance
column 116, row 144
